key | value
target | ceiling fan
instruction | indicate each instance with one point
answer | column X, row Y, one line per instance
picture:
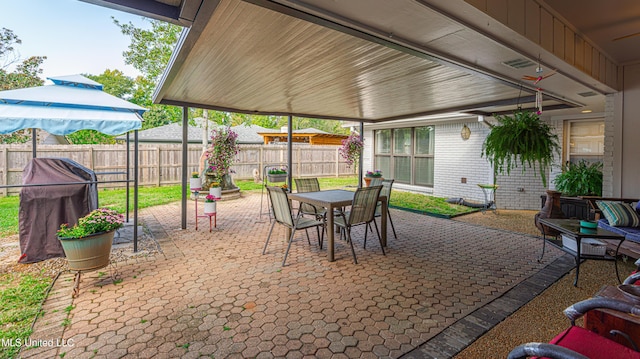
column 626, row 36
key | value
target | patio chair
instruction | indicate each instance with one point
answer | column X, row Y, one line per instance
column 577, row 342
column 281, row 208
column 375, row 181
column 362, row 211
column 310, row 185
column 386, row 191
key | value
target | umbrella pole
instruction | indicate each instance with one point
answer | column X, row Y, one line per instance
column 128, row 164
column 34, row 143
column 135, row 192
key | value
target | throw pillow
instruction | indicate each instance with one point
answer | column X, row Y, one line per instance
column 619, row 214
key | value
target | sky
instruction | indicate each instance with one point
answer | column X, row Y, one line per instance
column 76, row 37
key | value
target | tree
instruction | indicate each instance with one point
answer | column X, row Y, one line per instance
column 149, row 52
column 116, row 83
column 25, row 75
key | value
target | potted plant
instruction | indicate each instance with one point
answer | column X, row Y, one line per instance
column 521, row 139
column 276, row 174
column 580, row 179
column 210, row 204
column 87, row 244
column 220, row 157
column 195, row 183
column 351, row 148
column 372, row 174
column 215, row 190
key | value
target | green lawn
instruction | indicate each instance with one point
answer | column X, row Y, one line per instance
column 20, row 295
column 154, row 196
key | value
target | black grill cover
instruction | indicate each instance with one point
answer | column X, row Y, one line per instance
column 44, row 208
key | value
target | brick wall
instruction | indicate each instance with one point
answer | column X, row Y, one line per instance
column 609, row 136
column 457, row 159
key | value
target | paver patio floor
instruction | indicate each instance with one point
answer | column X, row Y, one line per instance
column 215, row 294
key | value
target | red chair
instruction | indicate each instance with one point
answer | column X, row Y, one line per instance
column 579, row 343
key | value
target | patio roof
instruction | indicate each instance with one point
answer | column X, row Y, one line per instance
column 266, row 58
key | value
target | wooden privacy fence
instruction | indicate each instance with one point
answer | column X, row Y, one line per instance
column 161, row 165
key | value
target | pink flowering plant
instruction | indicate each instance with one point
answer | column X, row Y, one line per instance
column 374, row 173
column 351, row 148
column 223, row 153
column 99, row 220
column 210, row 198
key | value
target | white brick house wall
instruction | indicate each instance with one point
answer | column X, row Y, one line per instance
column 457, row 159
column 609, row 136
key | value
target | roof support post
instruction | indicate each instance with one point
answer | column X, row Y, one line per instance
column 290, row 151
column 135, row 189
column 360, row 160
column 185, row 164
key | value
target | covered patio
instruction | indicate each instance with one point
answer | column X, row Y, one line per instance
column 441, row 285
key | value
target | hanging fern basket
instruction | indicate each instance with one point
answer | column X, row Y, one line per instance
column 521, row 139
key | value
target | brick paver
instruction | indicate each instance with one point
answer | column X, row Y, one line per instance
column 215, row 295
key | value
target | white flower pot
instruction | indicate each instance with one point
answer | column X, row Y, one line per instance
column 195, row 183
column 216, row 192
column 209, row 207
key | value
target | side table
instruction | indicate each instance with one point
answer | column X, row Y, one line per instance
column 602, row 321
column 489, row 191
column 572, row 229
column 214, row 215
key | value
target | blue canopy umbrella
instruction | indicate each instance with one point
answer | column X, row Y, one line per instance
column 71, row 104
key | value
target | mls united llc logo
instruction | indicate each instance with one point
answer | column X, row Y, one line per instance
column 36, row 343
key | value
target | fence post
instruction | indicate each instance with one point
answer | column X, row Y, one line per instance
column 91, row 160
column 299, row 171
column 5, row 175
column 158, row 166
column 337, row 153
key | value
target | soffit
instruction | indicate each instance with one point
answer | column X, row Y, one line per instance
column 248, row 58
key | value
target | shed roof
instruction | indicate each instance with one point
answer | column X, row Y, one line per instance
column 172, row 133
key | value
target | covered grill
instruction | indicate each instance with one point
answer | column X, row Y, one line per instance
column 56, row 191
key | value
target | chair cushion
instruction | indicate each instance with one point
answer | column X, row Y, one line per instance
column 630, row 233
column 593, row 345
column 619, row 214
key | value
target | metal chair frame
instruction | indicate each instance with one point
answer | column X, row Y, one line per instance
column 362, row 211
column 281, row 208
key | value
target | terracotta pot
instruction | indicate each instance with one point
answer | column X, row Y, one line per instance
column 551, row 209
column 367, row 180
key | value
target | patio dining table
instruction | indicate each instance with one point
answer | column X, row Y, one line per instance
column 332, row 199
